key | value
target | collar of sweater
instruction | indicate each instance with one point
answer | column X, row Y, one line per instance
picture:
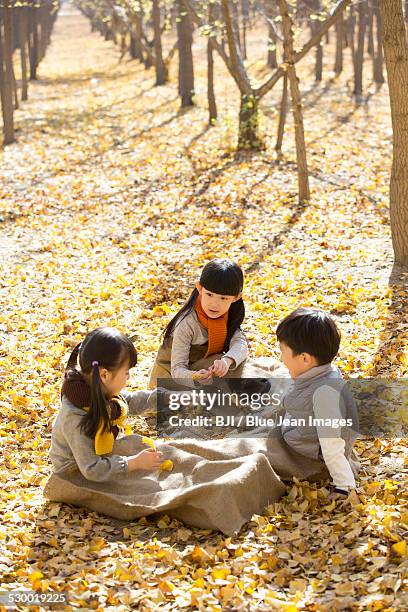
column 313, row 374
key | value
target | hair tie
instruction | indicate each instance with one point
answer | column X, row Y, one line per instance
column 95, row 363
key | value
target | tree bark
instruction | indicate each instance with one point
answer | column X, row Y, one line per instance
column 248, row 134
column 338, row 65
column 13, row 46
column 7, row 75
column 396, row 61
column 370, row 35
column 359, row 53
column 378, row 60
column 212, row 104
column 282, row 115
column 186, row 66
column 314, row 26
column 245, row 16
column 23, row 35
column 161, row 71
column 33, row 43
column 289, row 54
column 272, row 60
column 138, row 49
column 235, row 21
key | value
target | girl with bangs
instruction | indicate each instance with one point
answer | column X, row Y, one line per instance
column 204, row 339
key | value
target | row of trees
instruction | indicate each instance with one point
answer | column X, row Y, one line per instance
column 25, row 30
column 225, row 23
column 295, row 27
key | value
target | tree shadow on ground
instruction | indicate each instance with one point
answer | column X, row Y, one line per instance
column 393, row 342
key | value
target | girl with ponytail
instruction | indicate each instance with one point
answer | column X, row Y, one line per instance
column 94, row 409
column 205, row 339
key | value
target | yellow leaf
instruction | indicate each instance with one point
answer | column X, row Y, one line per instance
column 220, row 573
column 166, row 586
column 149, row 441
column 122, row 573
column 167, row 465
column 400, row 548
column 199, row 554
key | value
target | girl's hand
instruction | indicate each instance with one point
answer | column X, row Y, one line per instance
column 204, row 376
column 221, row 366
column 145, row 460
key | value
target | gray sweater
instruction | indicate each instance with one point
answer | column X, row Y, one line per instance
column 71, row 447
column 189, row 331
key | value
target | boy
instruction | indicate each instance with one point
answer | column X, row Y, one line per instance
column 320, row 413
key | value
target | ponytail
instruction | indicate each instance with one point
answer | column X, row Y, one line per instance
column 73, row 358
column 98, row 410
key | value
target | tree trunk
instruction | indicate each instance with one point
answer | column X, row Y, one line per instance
column 135, row 47
column 7, row 75
column 138, row 37
column 161, row 71
column 23, row 34
column 396, row 61
column 245, row 15
column 235, row 20
column 13, row 45
column 272, row 59
column 303, row 176
column 248, row 135
column 338, row 65
column 319, row 62
column 186, row 66
column 359, row 54
column 212, row 104
column 282, row 115
column 370, row 36
column 314, row 26
column 378, row 60
column 349, row 32
column 33, row 43
column 272, row 40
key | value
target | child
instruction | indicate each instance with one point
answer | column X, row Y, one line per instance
column 92, row 409
column 309, row 341
column 97, row 468
column 204, row 339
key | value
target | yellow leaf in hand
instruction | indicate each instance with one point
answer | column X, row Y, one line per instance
column 148, row 441
column 167, row 465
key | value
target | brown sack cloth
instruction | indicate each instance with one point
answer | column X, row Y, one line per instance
column 214, row 484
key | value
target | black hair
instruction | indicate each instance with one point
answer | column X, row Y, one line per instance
column 221, row 276
column 308, row 330
column 104, row 347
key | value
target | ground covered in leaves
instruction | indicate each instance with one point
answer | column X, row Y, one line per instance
column 111, row 202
